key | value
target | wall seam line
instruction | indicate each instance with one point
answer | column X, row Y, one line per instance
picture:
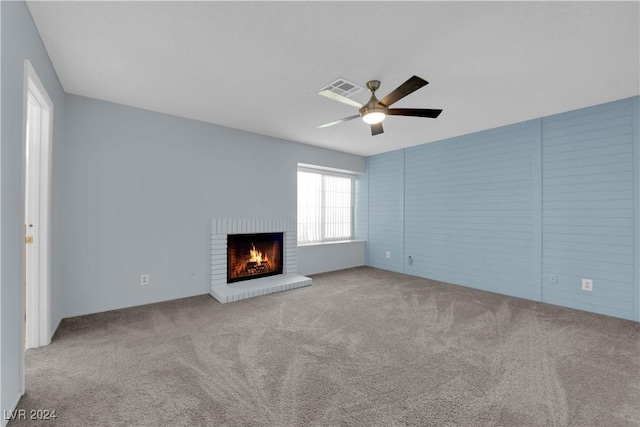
column 537, row 148
column 635, row 108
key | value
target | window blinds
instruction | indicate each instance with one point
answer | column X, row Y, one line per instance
column 325, row 209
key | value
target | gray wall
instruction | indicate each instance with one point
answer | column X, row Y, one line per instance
column 136, row 191
column 313, row 259
column 20, row 41
column 133, row 193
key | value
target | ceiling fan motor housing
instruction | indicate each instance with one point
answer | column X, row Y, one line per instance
column 373, row 106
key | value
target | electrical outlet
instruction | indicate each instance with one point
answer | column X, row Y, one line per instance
column 144, row 279
column 553, row 279
column 388, row 254
column 587, row 285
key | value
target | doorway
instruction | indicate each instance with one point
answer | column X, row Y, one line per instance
column 38, row 125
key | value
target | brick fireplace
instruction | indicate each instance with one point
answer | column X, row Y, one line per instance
column 228, row 230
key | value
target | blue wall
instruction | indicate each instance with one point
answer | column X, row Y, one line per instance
column 361, row 207
column 386, row 210
column 468, row 205
column 588, row 208
column 504, row 209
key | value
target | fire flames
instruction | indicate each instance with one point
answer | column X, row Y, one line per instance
column 246, row 259
column 257, row 256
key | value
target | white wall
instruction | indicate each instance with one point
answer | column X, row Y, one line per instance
column 135, row 192
column 20, row 41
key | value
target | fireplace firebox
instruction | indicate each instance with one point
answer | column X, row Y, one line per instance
column 250, row 256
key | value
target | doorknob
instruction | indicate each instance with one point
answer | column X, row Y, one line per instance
column 28, row 240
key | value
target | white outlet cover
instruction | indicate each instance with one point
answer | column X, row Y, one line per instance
column 587, row 284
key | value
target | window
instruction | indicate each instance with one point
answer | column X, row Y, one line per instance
column 325, row 206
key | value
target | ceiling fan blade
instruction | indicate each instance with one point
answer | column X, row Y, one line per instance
column 346, row 119
column 376, row 129
column 340, row 98
column 406, row 88
column 414, row 112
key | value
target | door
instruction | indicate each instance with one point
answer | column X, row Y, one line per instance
column 38, row 120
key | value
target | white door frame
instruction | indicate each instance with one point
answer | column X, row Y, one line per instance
column 38, row 292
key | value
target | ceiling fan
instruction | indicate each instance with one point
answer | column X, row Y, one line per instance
column 374, row 111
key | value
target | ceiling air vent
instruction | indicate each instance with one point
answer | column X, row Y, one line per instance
column 343, row 87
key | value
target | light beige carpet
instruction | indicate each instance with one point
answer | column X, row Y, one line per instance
column 359, row 347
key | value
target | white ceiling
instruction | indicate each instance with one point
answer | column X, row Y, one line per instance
column 257, row 66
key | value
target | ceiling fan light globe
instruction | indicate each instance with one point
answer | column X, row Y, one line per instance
column 374, row 118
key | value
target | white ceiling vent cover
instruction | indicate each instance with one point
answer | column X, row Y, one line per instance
column 343, row 87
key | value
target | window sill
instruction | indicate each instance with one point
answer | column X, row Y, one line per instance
column 302, row 245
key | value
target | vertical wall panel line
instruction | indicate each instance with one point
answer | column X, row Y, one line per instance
column 536, row 208
column 635, row 108
column 402, row 210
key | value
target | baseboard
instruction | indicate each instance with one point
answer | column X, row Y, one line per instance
column 120, row 307
column 10, row 410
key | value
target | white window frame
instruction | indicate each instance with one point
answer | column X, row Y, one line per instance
column 323, row 239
